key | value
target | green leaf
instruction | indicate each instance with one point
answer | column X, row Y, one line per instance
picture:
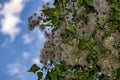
column 57, row 68
column 102, row 54
column 118, row 73
column 63, row 13
column 93, row 77
column 85, row 18
column 92, row 57
column 39, row 74
column 115, row 6
column 114, row 0
column 70, row 29
column 63, row 66
column 54, row 29
column 82, row 44
column 34, row 68
column 53, row 76
column 92, row 42
column 79, row 3
column 46, row 19
column 49, row 12
column 48, row 24
column 54, row 21
column 63, row 74
column 89, row 2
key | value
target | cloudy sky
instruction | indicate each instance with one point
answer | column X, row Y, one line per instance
column 19, row 48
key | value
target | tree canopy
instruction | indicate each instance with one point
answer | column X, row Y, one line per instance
column 83, row 40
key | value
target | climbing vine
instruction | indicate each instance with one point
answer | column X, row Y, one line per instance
column 83, row 40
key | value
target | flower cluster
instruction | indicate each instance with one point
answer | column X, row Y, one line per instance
column 73, row 42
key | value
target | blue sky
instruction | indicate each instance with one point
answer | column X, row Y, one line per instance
column 19, row 48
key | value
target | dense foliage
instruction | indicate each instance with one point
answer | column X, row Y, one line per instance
column 83, row 40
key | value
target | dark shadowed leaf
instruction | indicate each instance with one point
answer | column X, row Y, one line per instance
column 54, row 29
column 34, row 68
column 39, row 74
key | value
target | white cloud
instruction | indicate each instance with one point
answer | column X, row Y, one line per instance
column 0, row 6
column 47, row 0
column 40, row 36
column 17, row 70
column 27, row 39
column 25, row 55
column 36, row 60
column 11, row 18
column 13, row 69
